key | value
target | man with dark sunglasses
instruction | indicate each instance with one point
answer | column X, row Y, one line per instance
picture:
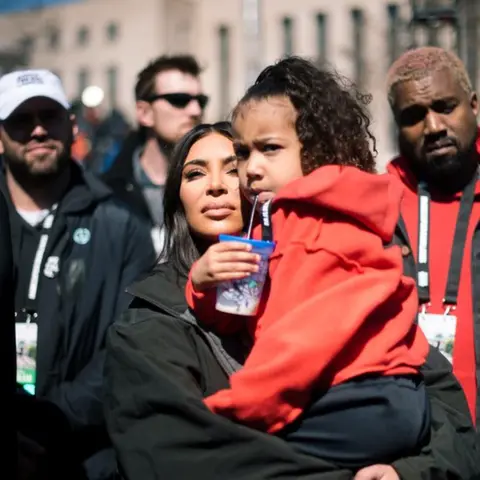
column 169, row 102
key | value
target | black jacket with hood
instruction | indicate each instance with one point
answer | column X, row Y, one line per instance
column 161, row 363
column 76, row 307
column 410, row 269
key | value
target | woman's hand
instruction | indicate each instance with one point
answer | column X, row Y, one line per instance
column 222, row 262
column 377, row 472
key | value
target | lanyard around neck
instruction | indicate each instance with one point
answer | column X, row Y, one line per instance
column 31, row 302
column 456, row 256
column 266, row 218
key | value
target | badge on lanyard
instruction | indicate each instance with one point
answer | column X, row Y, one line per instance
column 26, row 346
column 440, row 331
column 26, row 332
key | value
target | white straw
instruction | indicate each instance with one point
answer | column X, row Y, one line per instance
column 252, row 215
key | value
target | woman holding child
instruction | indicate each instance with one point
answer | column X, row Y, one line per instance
column 302, row 139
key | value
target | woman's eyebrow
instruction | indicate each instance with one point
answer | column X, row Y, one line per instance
column 197, row 161
column 203, row 163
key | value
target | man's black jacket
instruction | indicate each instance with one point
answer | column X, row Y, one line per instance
column 102, row 248
column 160, row 364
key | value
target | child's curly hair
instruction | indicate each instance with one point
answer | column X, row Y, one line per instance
column 332, row 121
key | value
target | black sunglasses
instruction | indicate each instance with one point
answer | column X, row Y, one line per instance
column 46, row 118
column 180, row 100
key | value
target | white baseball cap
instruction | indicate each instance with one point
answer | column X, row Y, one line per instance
column 20, row 86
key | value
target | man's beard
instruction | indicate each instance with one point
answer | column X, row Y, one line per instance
column 29, row 177
column 449, row 173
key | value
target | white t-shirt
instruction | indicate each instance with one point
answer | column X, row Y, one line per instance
column 35, row 217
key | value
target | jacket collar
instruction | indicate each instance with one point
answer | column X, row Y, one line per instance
column 163, row 287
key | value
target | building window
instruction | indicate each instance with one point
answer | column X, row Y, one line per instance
column 53, row 38
column 224, row 53
column 393, row 52
column 287, row 24
column 112, row 82
column 322, row 38
column 27, row 44
column 393, row 45
column 358, row 20
column 112, row 32
column 83, row 80
column 83, row 36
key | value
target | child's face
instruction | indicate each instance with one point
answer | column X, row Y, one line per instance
column 267, row 147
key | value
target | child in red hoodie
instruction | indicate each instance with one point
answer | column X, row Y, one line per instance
column 335, row 364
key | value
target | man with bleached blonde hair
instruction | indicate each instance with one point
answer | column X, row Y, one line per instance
column 435, row 108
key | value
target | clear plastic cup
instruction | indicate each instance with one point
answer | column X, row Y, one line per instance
column 242, row 297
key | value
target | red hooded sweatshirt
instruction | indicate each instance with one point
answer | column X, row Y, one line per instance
column 443, row 217
column 337, row 305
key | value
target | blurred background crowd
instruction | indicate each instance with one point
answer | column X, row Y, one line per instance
column 97, row 47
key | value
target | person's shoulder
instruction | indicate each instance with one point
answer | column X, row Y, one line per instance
column 112, row 203
column 123, row 232
column 115, row 213
column 89, row 196
column 145, row 337
column 145, row 324
column 162, row 290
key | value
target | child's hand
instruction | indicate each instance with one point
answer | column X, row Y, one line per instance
column 224, row 261
column 377, row 472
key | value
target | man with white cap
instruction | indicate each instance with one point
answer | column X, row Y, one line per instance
column 75, row 250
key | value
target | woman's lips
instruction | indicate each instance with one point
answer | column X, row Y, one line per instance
column 218, row 211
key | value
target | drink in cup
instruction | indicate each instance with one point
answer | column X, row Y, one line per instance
column 241, row 297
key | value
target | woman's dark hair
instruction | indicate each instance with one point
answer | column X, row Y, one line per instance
column 179, row 248
column 332, row 121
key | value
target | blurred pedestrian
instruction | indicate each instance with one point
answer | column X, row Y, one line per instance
column 170, row 102
column 100, row 133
